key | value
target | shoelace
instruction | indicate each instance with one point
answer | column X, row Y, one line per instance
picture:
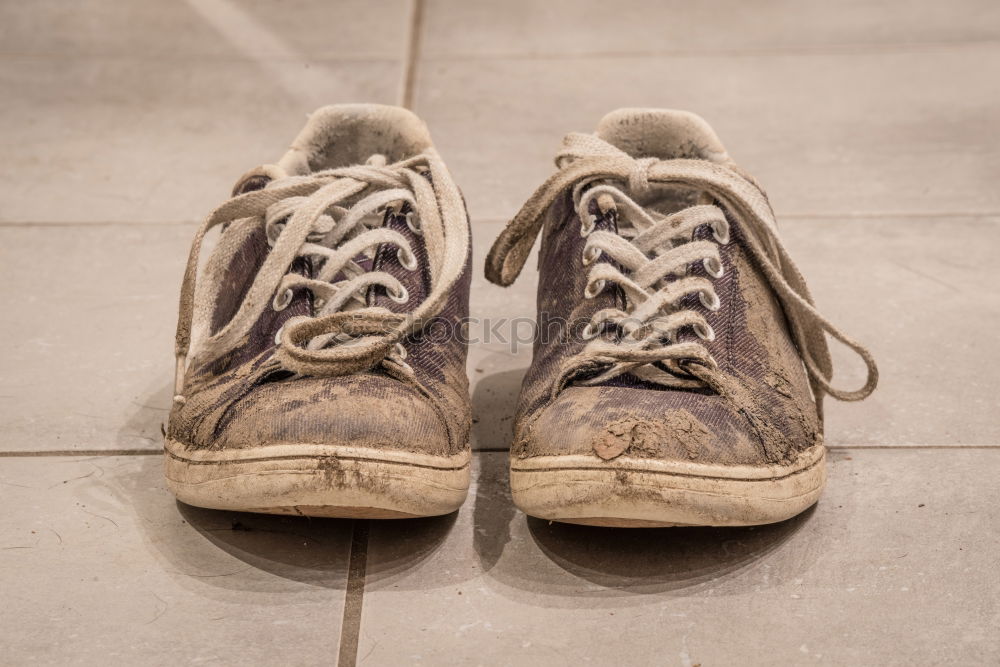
column 648, row 328
column 303, row 216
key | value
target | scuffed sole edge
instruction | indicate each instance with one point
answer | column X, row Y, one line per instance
column 318, row 480
column 628, row 492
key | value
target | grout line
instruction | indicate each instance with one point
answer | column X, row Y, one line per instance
column 494, row 450
column 99, row 223
column 865, row 215
column 84, row 452
column 845, row 49
column 173, row 57
column 350, row 628
column 956, row 446
column 412, row 54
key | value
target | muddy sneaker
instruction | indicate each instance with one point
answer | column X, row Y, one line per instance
column 681, row 365
column 326, row 377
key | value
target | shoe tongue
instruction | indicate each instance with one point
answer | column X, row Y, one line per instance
column 662, row 133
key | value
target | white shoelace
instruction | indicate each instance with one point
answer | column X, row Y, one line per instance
column 662, row 246
column 304, row 216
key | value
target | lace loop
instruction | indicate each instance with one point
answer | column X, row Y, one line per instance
column 365, row 339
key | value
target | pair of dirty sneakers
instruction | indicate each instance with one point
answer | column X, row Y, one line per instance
column 677, row 378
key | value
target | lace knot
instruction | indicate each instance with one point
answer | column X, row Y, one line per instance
column 638, row 177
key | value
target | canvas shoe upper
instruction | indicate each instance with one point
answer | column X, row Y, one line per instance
column 681, row 365
column 325, row 377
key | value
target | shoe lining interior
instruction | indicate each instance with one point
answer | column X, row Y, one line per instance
column 350, row 134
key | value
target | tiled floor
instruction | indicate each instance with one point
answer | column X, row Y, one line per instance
column 875, row 128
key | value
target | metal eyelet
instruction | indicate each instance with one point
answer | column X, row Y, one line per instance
column 274, row 232
column 587, row 227
column 589, row 332
column 282, row 300
column 399, row 297
column 406, row 259
column 590, row 255
column 704, row 331
column 711, row 302
column 713, row 267
column 411, row 223
column 400, row 351
column 721, row 232
column 594, row 288
column 277, row 336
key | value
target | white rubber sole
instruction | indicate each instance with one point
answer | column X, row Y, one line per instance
column 318, row 480
column 629, row 492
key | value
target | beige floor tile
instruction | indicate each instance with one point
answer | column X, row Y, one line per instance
column 919, row 294
column 99, row 565
column 915, row 291
column 199, row 28
column 88, row 334
column 895, row 566
column 902, row 132
column 566, row 28
column 111, row 139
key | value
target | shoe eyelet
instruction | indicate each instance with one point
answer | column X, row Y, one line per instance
column 721, row 233
column 713, row 267
column 277, row 336
column 412, row 224
column 406, row 259
column 590, row 256
column 587, row 227
column 594, row 288
column 400, row 351
column 704, row 331
column 274, row 231
column 402, row 296
column 710, row 300
column 589, row 332
column 282, row 300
